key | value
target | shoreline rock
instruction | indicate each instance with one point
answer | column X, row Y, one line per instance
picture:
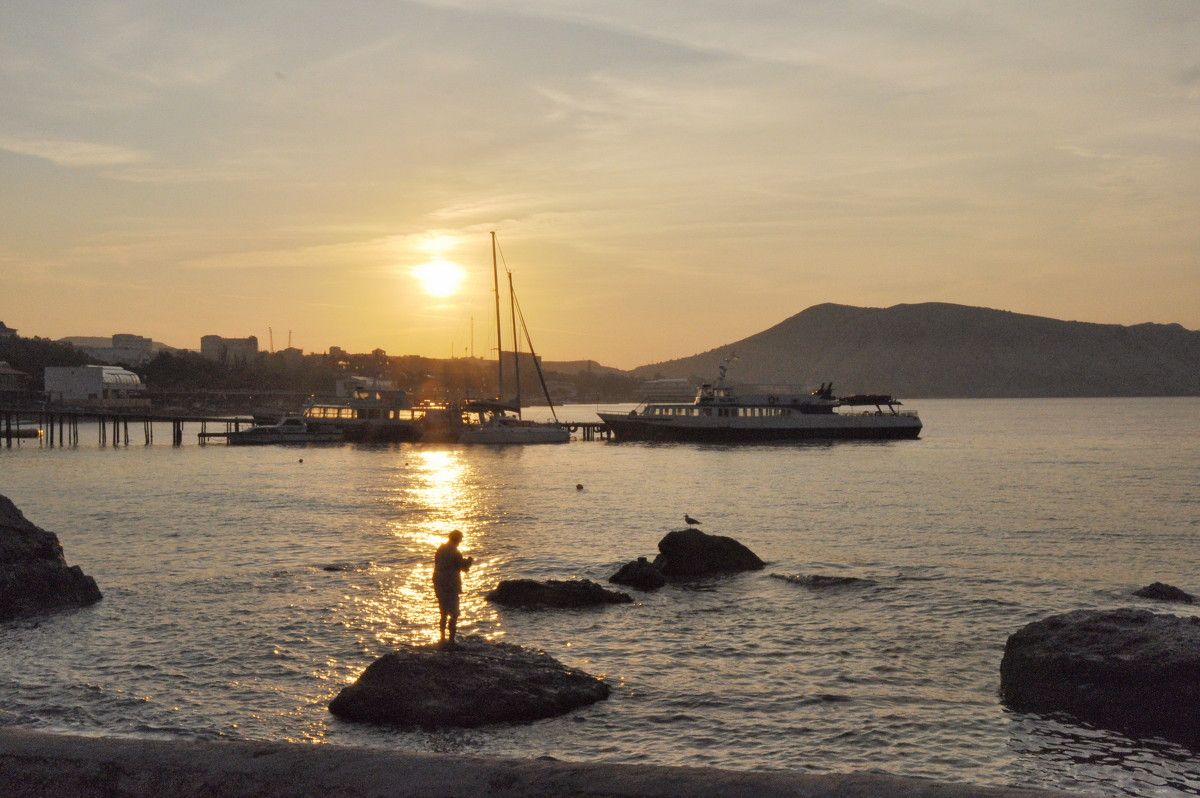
column 1163, row 592
column 34, row 575
column 40, row 765
column 1128, row 669
column 640, row 574
column 474, row 683
column 555, row 594
column 817, row 581
column 687, row 553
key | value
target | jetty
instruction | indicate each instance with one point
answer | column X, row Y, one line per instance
column 60, row 426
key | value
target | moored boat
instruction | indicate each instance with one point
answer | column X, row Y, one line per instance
column 495, row 425
column 492, row 421
column 373, row 417
column 289, row 429
column 734, row 414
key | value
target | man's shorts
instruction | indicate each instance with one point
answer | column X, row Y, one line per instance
column 447, row 600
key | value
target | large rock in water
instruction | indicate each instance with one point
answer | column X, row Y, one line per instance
column 475, row 683
column 1133, row 670
column 690, row 552
column 1161, row 592
column 639, row 573
column 558, row 593
column 34, row 575
column 818, row 581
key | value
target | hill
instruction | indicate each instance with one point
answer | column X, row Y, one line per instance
column 581, row 366
column 943, row 350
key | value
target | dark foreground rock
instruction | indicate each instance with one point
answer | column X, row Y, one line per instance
column 40, row 765
column 818, row 581
column 691, row 553
column 34, row 575
column 1128, row 669
column 1161, row 592
column 556, row 593
column 639, row 573
column 473, row 684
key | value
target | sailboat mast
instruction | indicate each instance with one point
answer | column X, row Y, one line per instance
column 512, row 306
column 499, row 344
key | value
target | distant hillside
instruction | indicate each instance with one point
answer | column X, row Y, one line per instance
column 580, row 366
column 942, row 350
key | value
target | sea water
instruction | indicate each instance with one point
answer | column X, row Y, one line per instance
column 245, row 586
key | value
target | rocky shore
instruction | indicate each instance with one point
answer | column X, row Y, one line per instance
column 1128, row 669
column 34, row 575
column 39, row 765
column 472, row 683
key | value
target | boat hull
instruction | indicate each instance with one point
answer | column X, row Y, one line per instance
column 243, row 439
column 522, row 435
column 390, row 431
column 716, row 430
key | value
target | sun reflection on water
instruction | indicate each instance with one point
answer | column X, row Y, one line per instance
column 435, row 493
column 441, row 486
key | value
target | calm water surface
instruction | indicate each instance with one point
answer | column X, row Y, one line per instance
column 245, row 586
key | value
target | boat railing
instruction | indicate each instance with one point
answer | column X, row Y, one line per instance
column 879, row 412
column 768, row 389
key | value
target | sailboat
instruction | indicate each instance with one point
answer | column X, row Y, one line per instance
column 496, row 421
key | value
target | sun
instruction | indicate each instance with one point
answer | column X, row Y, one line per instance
column 439, row 277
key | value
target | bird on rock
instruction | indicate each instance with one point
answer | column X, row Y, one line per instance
column 687, row 519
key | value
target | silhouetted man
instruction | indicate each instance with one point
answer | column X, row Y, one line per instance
column 448, row 565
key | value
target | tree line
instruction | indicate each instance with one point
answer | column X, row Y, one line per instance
column 289, row 372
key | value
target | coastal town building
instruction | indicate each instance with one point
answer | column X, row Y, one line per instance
column 95, row 386
column 14, row 385
column 6, row 331
column 291, row 355
column 125, row 348
column 229, row 350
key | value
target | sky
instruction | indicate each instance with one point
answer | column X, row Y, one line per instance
column 663, row 178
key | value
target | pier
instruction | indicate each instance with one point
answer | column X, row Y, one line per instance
column 50, row 426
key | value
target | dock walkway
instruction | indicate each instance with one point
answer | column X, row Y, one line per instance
column 60, row 426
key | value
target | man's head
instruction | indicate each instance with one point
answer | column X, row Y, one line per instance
column 456, row 536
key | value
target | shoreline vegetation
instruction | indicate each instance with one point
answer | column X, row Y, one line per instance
column 36, row 764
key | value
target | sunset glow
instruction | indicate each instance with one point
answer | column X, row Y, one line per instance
column 439, row 278
column 664, row 178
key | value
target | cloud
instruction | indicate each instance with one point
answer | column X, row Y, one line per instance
column 763, row 156
column 82, row 154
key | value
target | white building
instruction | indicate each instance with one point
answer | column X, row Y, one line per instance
column 364, row 387
column 126, row 348
column 95, row 386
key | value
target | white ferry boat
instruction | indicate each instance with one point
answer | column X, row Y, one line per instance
column 735, row 414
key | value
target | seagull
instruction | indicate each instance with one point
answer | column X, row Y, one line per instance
column 687, row 519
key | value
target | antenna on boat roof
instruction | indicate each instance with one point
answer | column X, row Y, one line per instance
column 724, row 367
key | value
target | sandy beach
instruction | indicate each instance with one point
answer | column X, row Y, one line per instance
column 39, row 765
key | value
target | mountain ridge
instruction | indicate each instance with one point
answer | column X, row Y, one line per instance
column 937, row 349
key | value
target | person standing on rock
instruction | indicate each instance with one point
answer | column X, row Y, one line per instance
column 448, row 565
